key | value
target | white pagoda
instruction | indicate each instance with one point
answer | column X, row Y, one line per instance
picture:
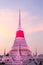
column 20, row 50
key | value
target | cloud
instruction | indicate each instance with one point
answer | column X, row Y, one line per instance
column 37, row 28
column 33, row 23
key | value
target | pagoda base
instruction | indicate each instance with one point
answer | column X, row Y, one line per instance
column 17, row 63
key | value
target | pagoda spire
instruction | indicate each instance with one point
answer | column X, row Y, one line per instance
column 19, row 27
column 20, row 32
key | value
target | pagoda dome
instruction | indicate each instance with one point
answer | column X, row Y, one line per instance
column 20, row 33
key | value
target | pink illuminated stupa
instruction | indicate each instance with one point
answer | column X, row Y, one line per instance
column 20, row 53
column 20, row 50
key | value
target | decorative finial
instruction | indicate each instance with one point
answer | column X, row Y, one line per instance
column 36, row 52
column 4, row 52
